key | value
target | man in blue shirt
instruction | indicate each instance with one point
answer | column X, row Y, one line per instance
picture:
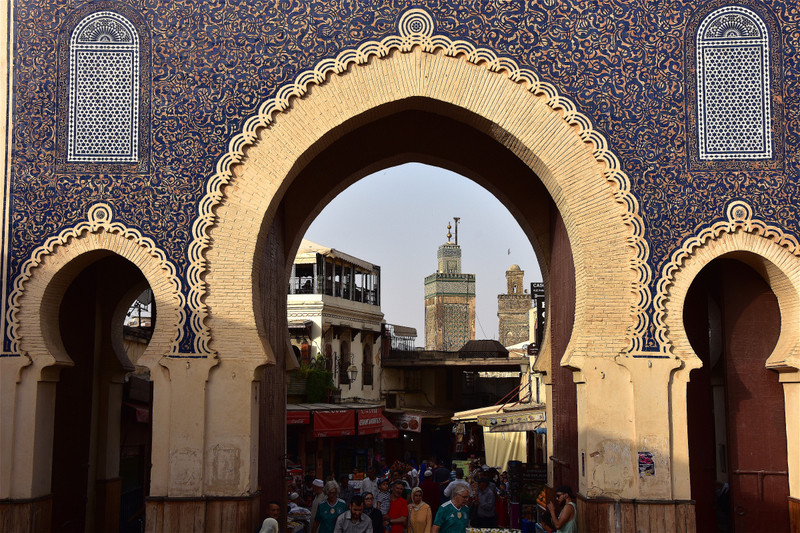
column 453, row 516
column 485, row 515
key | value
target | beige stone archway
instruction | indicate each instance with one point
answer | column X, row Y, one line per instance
column 491, row 95
column 30, row 388
column 775, row 255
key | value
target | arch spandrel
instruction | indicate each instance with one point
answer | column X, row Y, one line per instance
column 527, row 116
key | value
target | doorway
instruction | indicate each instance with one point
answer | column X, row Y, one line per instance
column 737, row 435
column 98, row 407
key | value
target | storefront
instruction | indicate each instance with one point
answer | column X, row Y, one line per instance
column 514, row 438
column 509, row 433
column 336, row 439
column 422, row 434
column 514, row 435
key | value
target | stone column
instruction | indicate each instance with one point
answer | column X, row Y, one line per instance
column 27, row 443
column 231, row 458
column 605, row 429
column 626, row 433
column 205, row 445
column 33, row 448
column 11, row 368
column 791, row 391
column 681, row 478
column 179, row 416
column 107, row 483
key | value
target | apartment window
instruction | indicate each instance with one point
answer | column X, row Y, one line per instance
column 366, row 376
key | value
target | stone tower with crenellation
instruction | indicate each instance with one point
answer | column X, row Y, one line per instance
column 513, row 309
column 449, row 300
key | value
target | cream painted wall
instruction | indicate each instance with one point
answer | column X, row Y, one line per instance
column 326, row 311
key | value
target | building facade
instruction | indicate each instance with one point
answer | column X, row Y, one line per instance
column 650, row 151
column 514, row 309
column 449, row 301
column 334, row 312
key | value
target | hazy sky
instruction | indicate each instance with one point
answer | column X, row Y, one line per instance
column 409, row 207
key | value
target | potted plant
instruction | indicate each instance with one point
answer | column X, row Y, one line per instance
column 319, row 380
column 298, row 379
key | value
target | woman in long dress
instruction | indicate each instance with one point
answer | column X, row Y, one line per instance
column 420, row 518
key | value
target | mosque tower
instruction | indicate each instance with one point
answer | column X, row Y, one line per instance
column 514, row 309
column 449, row 300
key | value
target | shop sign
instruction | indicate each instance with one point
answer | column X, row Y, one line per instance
column 409, row 422
column 507, row 419
column 298, row 417
column 369, row 421
column 388, row 431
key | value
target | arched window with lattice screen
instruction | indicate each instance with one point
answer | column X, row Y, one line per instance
column 733, row 86
column 103, row 90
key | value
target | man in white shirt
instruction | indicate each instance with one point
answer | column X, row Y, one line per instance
column 319, row 497
column 370, row 484
column 458, row 482
column 414, row 475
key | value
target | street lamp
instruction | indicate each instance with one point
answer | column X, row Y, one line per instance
column 352, row 372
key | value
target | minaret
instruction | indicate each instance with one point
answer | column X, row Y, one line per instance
column 449, row 300
column 513, row 309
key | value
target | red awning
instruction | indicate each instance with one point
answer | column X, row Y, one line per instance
column 298, row 417
column 369, row 421
column 334, row 423
column 388, row 430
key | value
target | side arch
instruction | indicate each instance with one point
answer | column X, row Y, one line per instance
column 42, row 278
column 33, row 316
column 775, row 256
column 767, row 249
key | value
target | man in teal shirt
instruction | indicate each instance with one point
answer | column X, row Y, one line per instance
column 453, row 516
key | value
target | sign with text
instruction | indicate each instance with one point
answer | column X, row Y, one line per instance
column 369, row 421
column 298, row 417
column 508, row 419
column 409, row 422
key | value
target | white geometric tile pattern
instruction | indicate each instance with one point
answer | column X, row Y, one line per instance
column 733, row 86
column 104, row 90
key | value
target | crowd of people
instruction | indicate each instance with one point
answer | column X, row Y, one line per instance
column 404, row 499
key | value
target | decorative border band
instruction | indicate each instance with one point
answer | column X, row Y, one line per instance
column 416, row 28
